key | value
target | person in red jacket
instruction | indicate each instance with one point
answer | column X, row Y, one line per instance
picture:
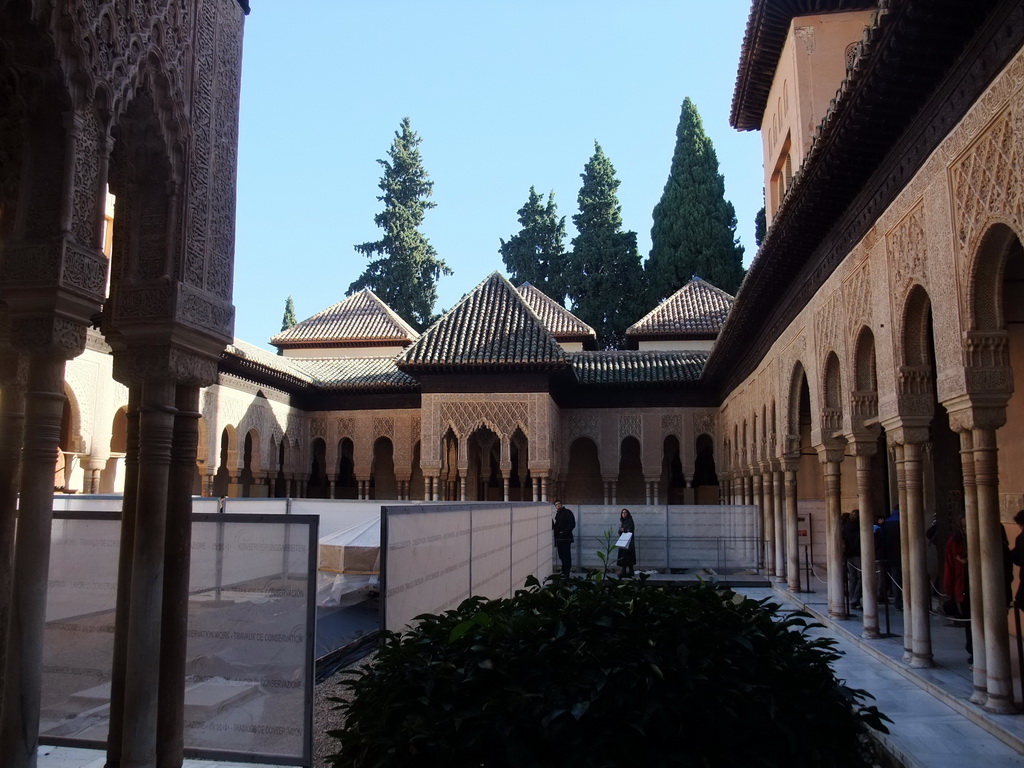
column 955, row 581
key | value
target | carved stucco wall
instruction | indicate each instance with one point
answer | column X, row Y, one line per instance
column 608, row 427
column 502, row 413
column 928, row 237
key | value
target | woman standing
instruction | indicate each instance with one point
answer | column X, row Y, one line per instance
column 627, row 554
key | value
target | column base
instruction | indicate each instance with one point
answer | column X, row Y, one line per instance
column 1000, row 705
column 921, row 662
column 871, row 633
column 979, row 697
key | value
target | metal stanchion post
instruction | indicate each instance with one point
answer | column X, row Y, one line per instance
column 1020, row 646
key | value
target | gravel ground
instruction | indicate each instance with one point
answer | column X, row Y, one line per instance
column 325, row 716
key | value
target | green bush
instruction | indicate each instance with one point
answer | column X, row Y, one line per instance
column 605, row 672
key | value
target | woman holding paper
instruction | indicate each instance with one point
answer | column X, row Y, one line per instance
column 627, row 554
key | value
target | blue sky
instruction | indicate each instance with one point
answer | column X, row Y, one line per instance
column 504, row 94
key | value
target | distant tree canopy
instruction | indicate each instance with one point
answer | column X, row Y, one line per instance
column 604, row 276
column 694, row 230
column 404, row 267
column 760, row 227
column 536, row 254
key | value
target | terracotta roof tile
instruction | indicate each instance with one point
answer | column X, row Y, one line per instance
column 357, row 374
column 560, row 322
column 361, row 319
column 698, row 309
column 638, row 368
column 492, row 327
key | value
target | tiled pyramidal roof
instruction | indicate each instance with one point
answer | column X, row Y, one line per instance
column 492, row 328
column 697, row 310
column 362, row 319
column 560, row 322
column 635, row 368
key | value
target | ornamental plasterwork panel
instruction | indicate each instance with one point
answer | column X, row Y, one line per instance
column 906, row 253
column 857, row 295
column 467, row 413
column 986, row 183
column 318, row 427
column 582, row 425
column 383, row 426
column 630, row 426
column 672, row 424
column 705, row 424
column 344, row 427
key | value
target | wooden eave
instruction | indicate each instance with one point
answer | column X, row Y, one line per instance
column 344, row 343
column 470, row 368
column 924, row 65
column 258, row 373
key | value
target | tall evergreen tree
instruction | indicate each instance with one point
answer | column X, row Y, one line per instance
column 536, row 254
column 404, row 267
column 760, row 227
column 604, row 276
column 288, row 320
column 694, row 231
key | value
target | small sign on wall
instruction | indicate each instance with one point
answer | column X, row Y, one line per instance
column 803, row 529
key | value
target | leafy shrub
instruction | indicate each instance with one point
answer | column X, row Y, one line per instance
column 605, row 672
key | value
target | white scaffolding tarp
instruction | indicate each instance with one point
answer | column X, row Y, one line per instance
column 349, row 564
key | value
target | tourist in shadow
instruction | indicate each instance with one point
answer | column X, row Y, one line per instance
column 627, row 554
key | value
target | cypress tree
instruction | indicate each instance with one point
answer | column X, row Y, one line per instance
column 694, row 231
column 288, row 320
column 536, row 254
column 760, row 227
column 604, row 274
column 404, row 267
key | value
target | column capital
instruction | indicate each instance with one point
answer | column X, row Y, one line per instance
column 967, row 412
column 830, row 454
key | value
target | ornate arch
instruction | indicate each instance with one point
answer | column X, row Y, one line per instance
column 797, row 377
column 864, row 395
column 914, row 373
column 832, row 395
column 984, row 300
column 913, row 330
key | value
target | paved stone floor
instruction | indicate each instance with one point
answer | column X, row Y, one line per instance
column 934, row 724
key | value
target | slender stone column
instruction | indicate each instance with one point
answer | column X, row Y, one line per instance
column 170, row 735
column 505, row 484
column 999, row 683
column 757, row 489
column 44, row 405
column 129, row 511
column 906, row 576
column 830, row 459
column 12, row 430
column 792, row 545
column 863, row 451
column 768, row 514
column 974, row 586
column 779, row 488
column 142, row 675
column 543, row 488
column 920, row 587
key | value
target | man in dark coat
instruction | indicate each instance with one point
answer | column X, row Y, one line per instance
column 561, row 528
